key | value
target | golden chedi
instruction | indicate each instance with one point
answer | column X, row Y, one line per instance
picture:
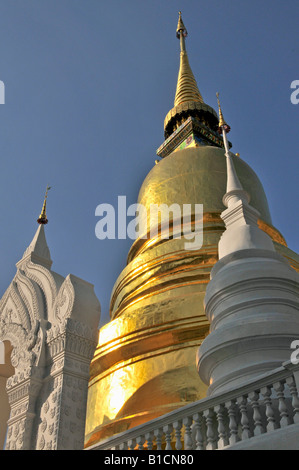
column 145, row 362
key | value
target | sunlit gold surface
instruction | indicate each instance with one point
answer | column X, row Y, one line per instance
column 144, row 365
column 187, row 89
column 198, row 175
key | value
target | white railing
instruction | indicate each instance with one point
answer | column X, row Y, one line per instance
column 261, row 406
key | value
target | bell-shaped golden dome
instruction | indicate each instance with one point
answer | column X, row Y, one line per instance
column 198, row 176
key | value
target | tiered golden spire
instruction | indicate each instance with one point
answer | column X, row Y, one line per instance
column 188, row 102
column 43, row 216
column 187, row 89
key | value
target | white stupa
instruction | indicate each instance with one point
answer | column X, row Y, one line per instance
column 252, row 300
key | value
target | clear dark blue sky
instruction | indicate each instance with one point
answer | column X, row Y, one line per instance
column 88, row 84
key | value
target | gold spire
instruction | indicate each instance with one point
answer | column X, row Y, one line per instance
column 222, row 124
column 187, row 89
column 43, row 217
column 188, row 102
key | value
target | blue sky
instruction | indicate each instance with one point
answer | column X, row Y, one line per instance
column 87, row 86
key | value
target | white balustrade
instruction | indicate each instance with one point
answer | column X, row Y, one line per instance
column 258, row 407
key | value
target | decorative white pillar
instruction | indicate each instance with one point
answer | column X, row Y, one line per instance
column 52, row 325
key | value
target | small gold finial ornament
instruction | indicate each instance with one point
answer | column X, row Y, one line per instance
column 181, row 27
column 222, row 124
column 42, row 220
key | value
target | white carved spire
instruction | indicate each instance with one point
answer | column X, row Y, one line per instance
column 241, row 219
column 38, row 248
column 51, row 323
column 251, row 300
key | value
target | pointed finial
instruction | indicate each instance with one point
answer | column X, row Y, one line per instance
column 222, row 124
column 187, row 89
column 234, row 189
column 181, row 27
column 43, row 217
